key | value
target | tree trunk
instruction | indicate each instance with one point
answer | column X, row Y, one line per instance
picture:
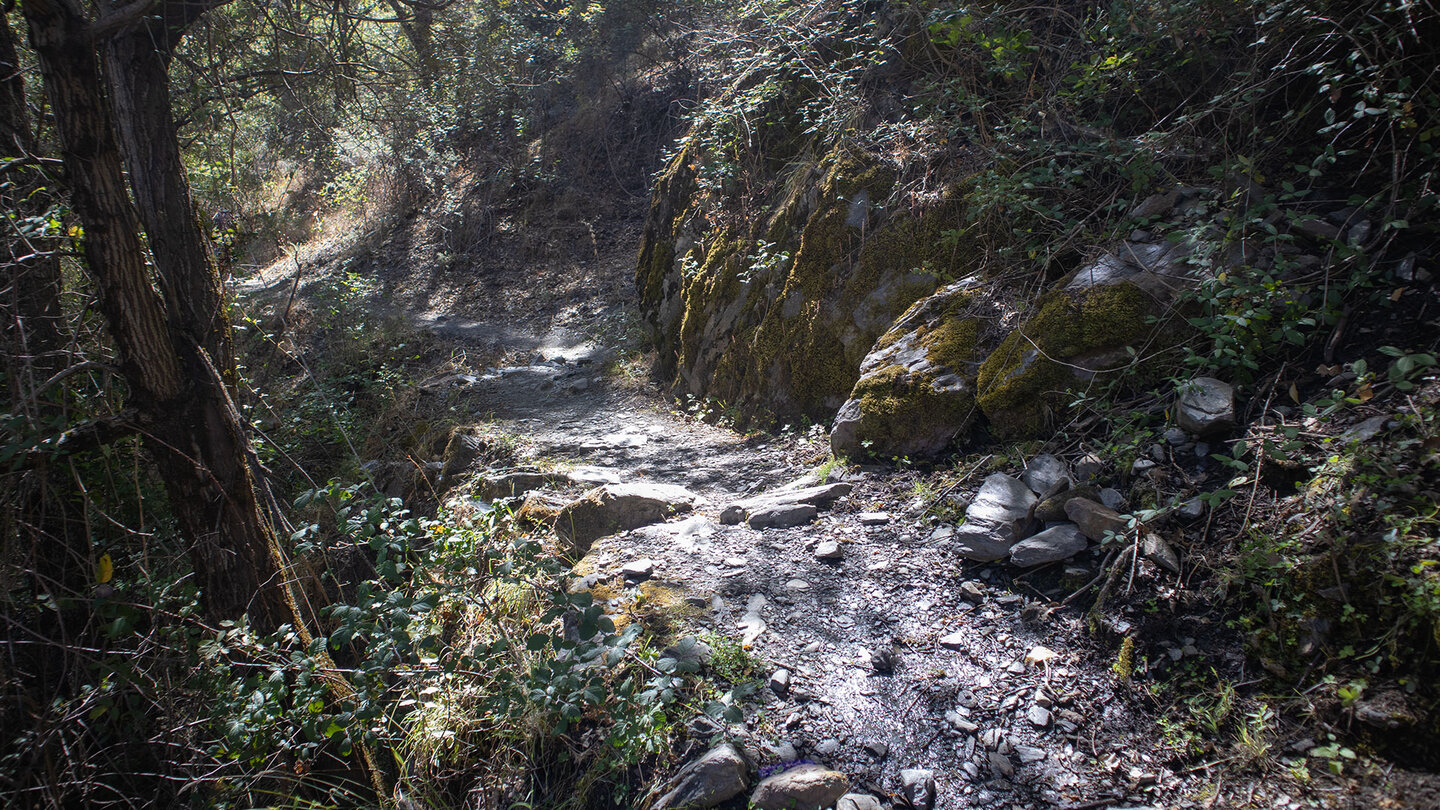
column 37, row 513
column 137, row 68
column 185, row 413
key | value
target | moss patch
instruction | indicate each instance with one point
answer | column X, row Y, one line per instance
column 1022, row 383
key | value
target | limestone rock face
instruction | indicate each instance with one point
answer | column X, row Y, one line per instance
column 716, row 777
column 804, row 787
column 916, row 390
column 615, row 508
column 775, row 314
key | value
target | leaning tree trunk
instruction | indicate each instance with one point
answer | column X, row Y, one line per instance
column 139, row 81
column 185, row 413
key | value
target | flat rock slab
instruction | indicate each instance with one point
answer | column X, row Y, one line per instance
column 507, row 485
column 804, row 787
column 1094, row 519
column 1001, row 501
column 982, row 543
column 616, row 508
column 1052, row 545
column 918, row 787
column 783, row 509
column 820, row 495
column 782, row 516
column 716, row 777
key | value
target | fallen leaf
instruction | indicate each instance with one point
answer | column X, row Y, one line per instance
column 1395, row 296
column 1365, row 393
column 1294, row 393
column 104, row 569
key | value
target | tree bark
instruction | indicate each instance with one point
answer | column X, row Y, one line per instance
column 37, row 513
column 137, row 61
column 187, row 417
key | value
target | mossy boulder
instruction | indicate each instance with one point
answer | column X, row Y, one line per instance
column 773, row 312
column 1075, row 334
column 916, row 390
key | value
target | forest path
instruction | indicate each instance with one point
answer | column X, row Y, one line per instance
column 896, row 653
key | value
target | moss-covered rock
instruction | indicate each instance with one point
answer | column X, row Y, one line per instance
column 1074, row 335
column 916, row 389
column 774, row 313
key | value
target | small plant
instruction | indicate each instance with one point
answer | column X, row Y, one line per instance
column 1124, row 666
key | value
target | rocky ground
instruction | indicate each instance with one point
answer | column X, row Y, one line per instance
column 900, row 668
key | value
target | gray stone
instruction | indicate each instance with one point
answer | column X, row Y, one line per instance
column 828, row 747
column 780, row 683
column 1088, row 467
column 829, row 550
column 914, row 394
column 917, row 785
column 713, row 779
column 959, row 722
column 1112, row 499
column 858, row 801
column 507, row 485
column 1039, row 716
column 981, row 543
column 874, row 518
column 877, row 749
column 954, row 641
column 638, row 570
column 882, row 660
column 1366, row 430
column 972, row 590
column 1206, row 407
column 780, row 752
column 1156, row 205
column 784, row 508
column 691, row 652
column 1045, row 474
column 1314, row 227
column 1156, row 550
column 1176, row 437
column 782, row 516
column 820, row 495
column 1029, row 753
column 1052, row 509
column 803, row 787
column 1000, row 764
column 1191, row 510
column 1052, row 545
column 1001, row 501
column 1095, row 520
column 618, row 507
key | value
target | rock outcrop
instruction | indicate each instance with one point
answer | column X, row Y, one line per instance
column 774, row 314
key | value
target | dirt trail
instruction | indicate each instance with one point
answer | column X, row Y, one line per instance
column 992, row 728
column 995, row 730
